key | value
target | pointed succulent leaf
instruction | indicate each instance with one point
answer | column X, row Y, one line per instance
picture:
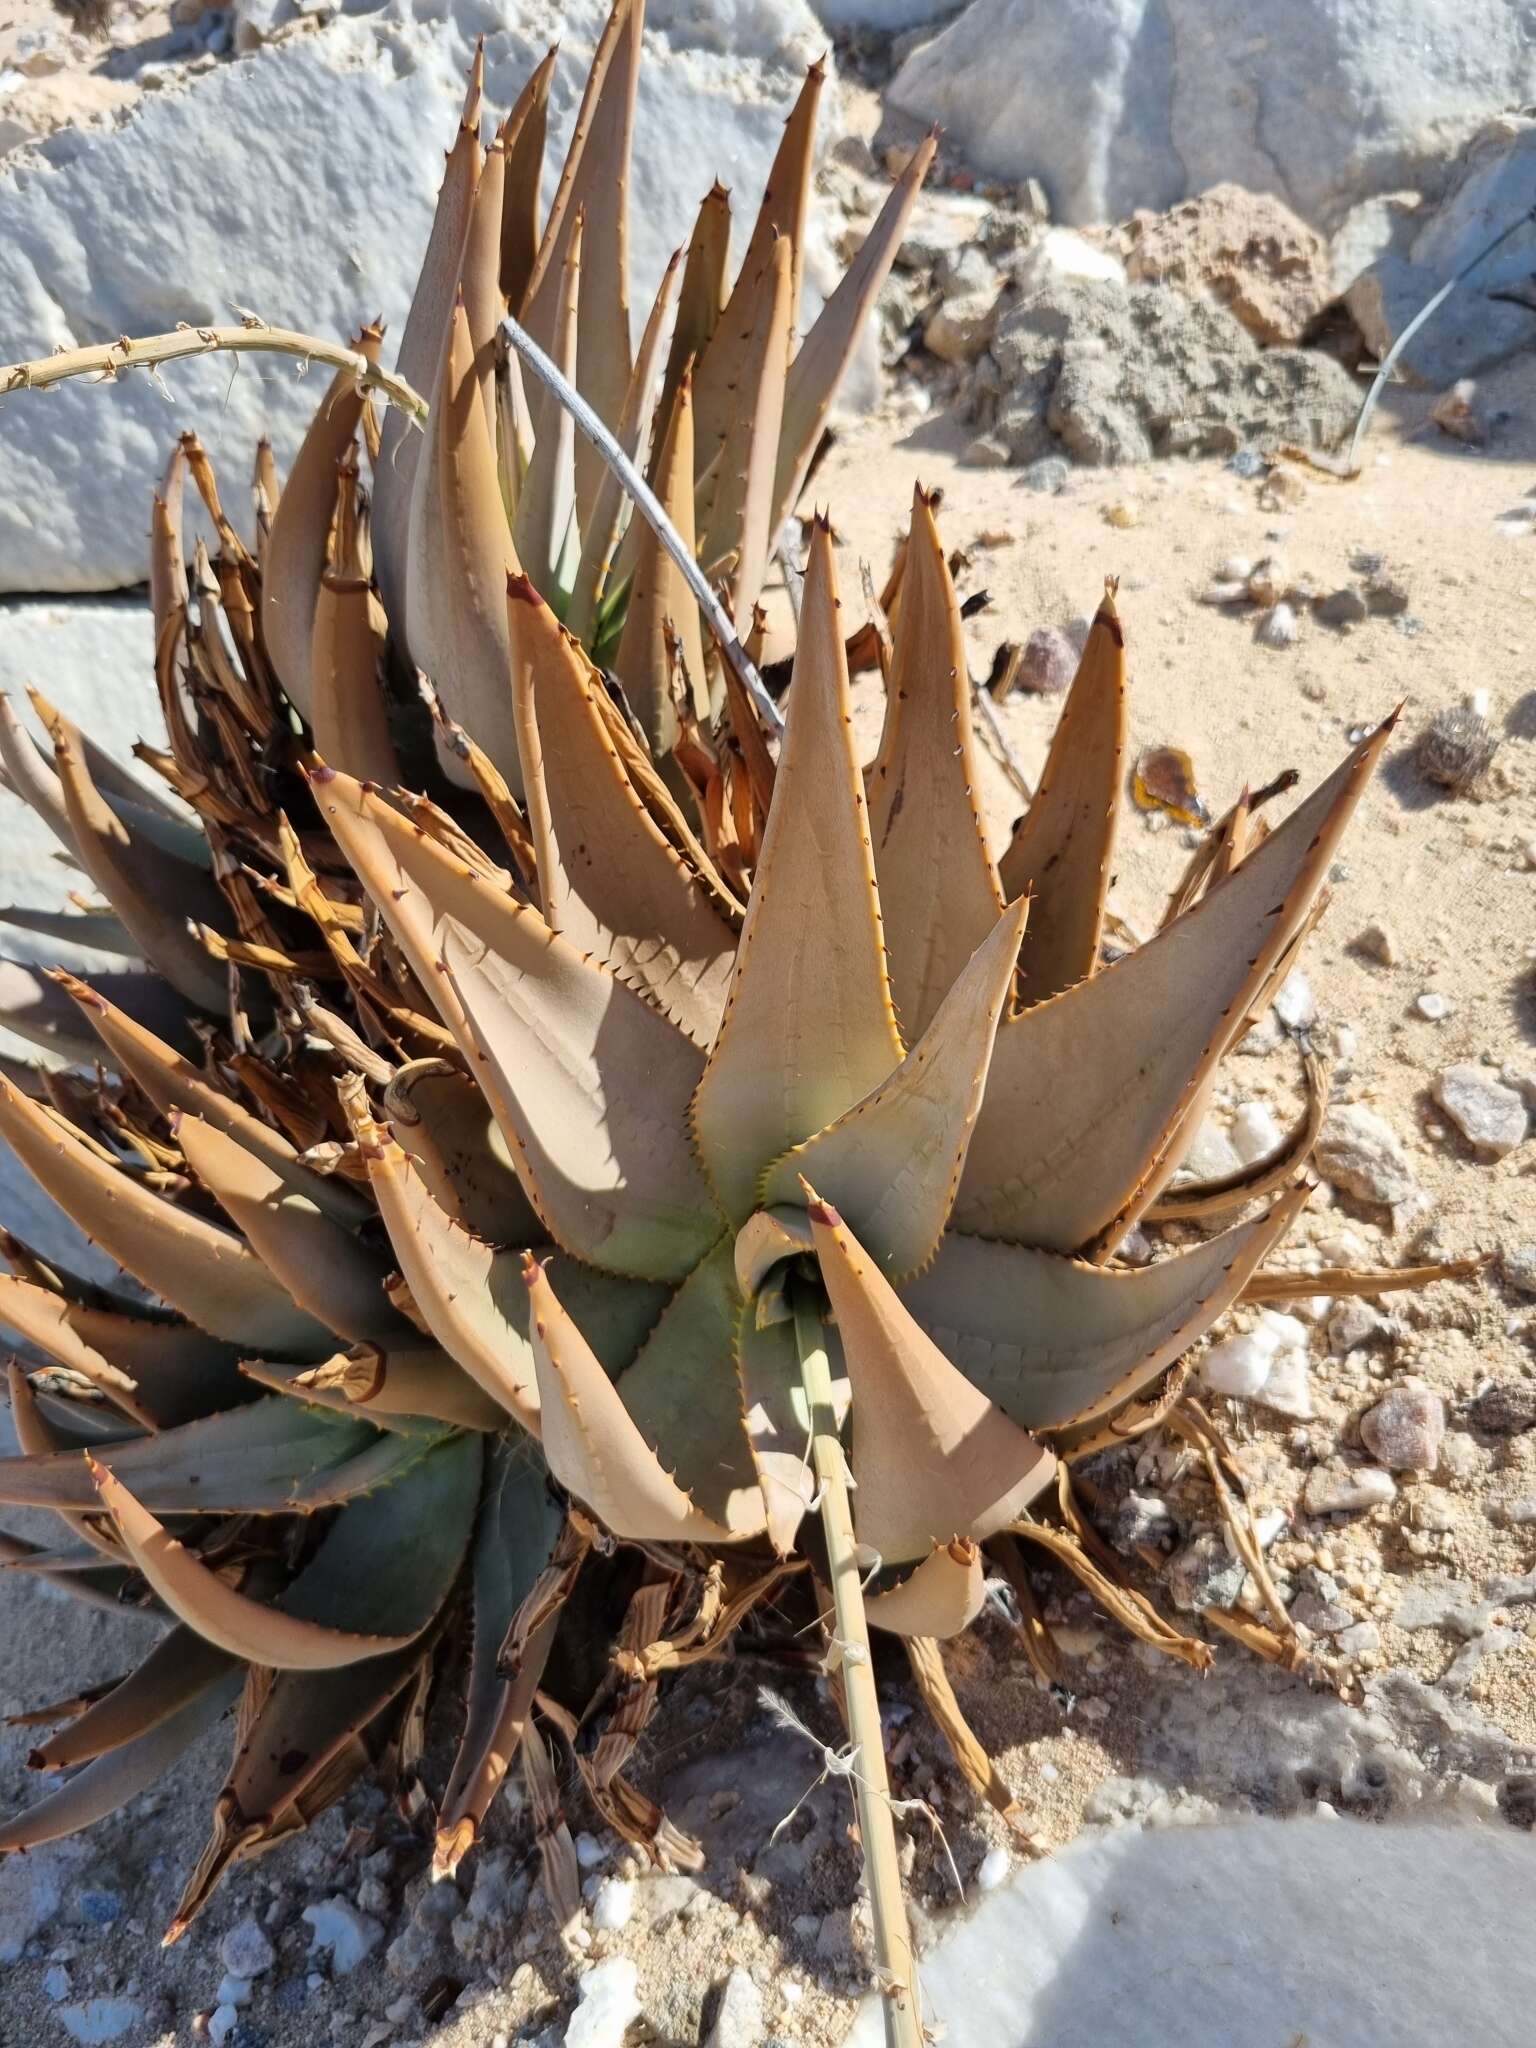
column 480, row 276
column 778, row 1419
column 589, row 1084
column 32, row 777
column 892, row 1163
column 173, row 1084
column 1088, row 1090
column 1065, row 841
column 422, row 349
column 102, row 930
column 441, row 1119
column 34, row 1006
column 593, row 1446
column 808, row 1029
column 940, row 1599
column 660, row 602
column 609, row 879
column 932, row 1457
column 397, row 1552
column 295, row 551
column 325, row 1268
column 546, row 499
column 787, row 194
column 1053, row 1341
column 683, row 1395
column 459, row 557
column 472, row 1297
column 737, row 417
column 519, row 1522
column 595, row 184
column 939, row 891
column 272, row 1457
column 701, row 298
column 122, row 1774
column 349, row 713
column 179, row 1668
column 828, row 348
column 522, row 141
column 205, row 1272
column 153, row 893
column 404, row 1382
column 159, row 1373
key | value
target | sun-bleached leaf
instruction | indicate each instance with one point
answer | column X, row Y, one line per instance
column 423, row 346
column 35, row 1007
column 396, row 1553
column 153, row 893
column 595, row 184
column 787, row 193
column 592, row 1445
column 609, row 880
column 828, row 348
column 480, row 276
column 588, row 1083
column 683, row 1395
column 701, row 298
column 939, row 891
column 660, row 602
column 892, row 1162
column 1088, row 1091
column 519, row 1523
column 111, row 1781
column 808, row 1029
column 323, row 1265
column 933, row 1458
column 594, row 584
column 349, row 714
column 737, row 414
column 522, row 140
column 179, row 1668
column 441, row 1119
column 1055, row 1341
column 1065, row 842
column 543, row 535
column 295, row 551
column 174, row 1084
column 940, row 1599
column 459, row 559
column 205, row 1272
column 160, row 1373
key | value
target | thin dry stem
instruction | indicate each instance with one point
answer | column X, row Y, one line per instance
column 108, row 360
column 877, row 1829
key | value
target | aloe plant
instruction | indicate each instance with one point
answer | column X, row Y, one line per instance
column 585, row 1142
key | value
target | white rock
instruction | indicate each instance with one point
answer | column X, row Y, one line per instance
column 1058, row 254
column 1256, row 1131
column 1337, row 1490
column 233, row 1990
column 1278, row 628
column 226, row 175
column 994, row 1868
column 590, row 1852
column 1238, row 1366
column 1433, row 1007
column 246, row 1950
column 610, row 1999
column 350, row 1936
column 1295, row 1005
column 1151, row 101
column 1102, row 1942
column 95, row 2020
column 1358, row 1150
column 222, row 2023
column 739, row 2021
column 1353, row 1322
column 614, row 1904
column 1488, row 1115
column 1211, row 1155
column 1280, row 1332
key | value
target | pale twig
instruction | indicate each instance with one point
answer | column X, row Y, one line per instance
column 877, row 1830
column 652, row 511
column 109, row 360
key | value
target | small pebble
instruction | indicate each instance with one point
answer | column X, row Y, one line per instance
column 1255, row 1132
column 350, row 1936
column 1343, row 607
column 246, row 1951
column 1295, row 1005
column 1519, row 1267
column 1338, row 1489
column 609, row 2002
column 233, row 1990
column 1278, row 627
column 1378, row 942
column 1405, row 1430
column 1489, row 1116
column 739, row 2020
column 1360, row 1639
column 1358, row 1151
column 222, row 2023
column 614, row 1905
column 1048, row 663
column 1048, row 475
column 1506, row 1408
column 1433, row 1007
column 1353, row 1323
column 1123, row 514
column 994, row 1869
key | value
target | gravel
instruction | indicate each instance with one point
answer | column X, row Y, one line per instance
column 1487, row 1113
column 1405, row 1430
